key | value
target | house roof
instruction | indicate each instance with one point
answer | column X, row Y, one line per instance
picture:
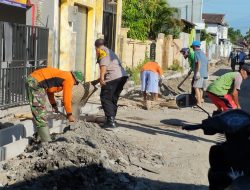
column 213, row 18
column 186, row 22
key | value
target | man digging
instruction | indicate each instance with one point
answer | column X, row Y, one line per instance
column 112, row 79
column 200, row 72
column 150, row 75
column 48, row 81
column 223, row 92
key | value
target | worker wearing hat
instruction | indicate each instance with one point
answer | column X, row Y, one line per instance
column 200, row 72
column 48, row 81
column 189, row 54
column 112, row 79
column 224, row 91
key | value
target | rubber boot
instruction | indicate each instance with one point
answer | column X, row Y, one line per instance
column 43, row 133
column 110, row 123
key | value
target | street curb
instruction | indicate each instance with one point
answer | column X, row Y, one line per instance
column 13, row 149
column 14, row 139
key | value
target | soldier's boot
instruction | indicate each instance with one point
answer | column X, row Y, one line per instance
column 43, row 133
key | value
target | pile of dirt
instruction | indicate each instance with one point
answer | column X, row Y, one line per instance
column 87, row 157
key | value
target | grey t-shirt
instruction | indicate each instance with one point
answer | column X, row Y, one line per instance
column 199, row 56
column 113, row 64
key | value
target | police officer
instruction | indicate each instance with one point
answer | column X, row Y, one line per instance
column 112, row 79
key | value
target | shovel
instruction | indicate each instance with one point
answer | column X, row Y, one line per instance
column 179, row 86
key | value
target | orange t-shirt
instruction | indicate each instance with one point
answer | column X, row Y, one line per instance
column 152, row 66
column 55, row 80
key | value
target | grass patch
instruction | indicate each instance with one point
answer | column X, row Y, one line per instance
column 176, row 66
column 134, row 73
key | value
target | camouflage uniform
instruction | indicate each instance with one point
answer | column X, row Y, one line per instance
column 37, row 100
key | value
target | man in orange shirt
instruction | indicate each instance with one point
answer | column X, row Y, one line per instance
column 48, row 81
column 150, row 74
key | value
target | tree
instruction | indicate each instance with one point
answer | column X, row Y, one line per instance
column 248, row 36
column 135, row 18
column 205, row 36
column 147, row 18
column 234, row 35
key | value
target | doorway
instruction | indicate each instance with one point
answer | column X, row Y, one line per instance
column 80, row 27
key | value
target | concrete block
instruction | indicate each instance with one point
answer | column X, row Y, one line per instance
column 29, row 129
column 90, row 109
column 13, row 149
column 59, row 129
column 55, row 122
column 11, row 134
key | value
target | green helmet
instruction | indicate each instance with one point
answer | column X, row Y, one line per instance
column 78, row 76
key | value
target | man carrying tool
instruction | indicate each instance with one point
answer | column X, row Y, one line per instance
column 49, row 81
column 187, row 53
column 200, row 72
column 112, row 79
column 224, row 91
column 150, row 74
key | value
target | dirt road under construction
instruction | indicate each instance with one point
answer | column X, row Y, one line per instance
column 148, row 151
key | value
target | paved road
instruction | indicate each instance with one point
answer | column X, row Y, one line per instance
column 185, row 153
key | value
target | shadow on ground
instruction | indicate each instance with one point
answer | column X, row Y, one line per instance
column 95, row 177
column 163, row 131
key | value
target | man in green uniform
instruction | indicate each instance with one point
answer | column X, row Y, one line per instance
column 223, row 92
column 189, row 54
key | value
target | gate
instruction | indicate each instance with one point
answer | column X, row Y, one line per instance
column 22, row 49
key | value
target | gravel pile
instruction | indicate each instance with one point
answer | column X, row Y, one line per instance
column 87, row 157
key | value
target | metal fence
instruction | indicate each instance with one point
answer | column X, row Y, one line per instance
column 22, row 49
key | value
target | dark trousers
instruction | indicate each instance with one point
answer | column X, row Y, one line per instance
column 110, row 94
column 233, row 64
column 241, row 63
column 193, row 91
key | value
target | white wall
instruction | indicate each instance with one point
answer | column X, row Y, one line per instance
column 223, row 32
column 191, row 10
column 213, row 29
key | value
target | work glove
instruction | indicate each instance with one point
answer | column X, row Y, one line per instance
column 197, row 76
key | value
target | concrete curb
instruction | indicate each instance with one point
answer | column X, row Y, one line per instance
column 14, row 139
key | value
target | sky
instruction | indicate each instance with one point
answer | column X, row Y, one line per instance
column 237, row 12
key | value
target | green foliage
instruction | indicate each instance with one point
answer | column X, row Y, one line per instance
column 234, row 35
column 147, row 18
column 206, row 36
column 134, row 17
column 248, row 36
column 134, row 72
column 176, row 66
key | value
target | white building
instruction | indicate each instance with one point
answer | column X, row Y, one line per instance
column 217, row 27
column 190, row 10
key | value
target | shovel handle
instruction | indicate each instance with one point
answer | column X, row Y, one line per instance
column 189, row 73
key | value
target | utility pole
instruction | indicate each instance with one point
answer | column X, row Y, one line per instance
column 192, row 12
